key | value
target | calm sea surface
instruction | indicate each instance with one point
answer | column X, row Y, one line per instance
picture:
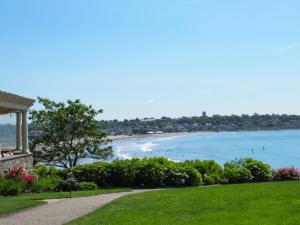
column 278, row 148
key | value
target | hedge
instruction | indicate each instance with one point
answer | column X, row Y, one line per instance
column 148, row 172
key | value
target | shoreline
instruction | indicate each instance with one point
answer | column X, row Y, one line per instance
column 172, row 134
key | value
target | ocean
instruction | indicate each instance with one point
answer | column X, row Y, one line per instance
column 278, row 148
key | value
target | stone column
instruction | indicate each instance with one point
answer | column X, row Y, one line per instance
column 18, row 131
column 25, row 149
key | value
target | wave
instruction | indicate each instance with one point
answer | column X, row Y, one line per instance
column 166, row 138
column 120, row 154
column 147, row 147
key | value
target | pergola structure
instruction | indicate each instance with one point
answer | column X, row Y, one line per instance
column 11, row 103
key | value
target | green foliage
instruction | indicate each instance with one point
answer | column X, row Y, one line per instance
column 45, row 184
column 46, row 171
column 160, row 172
column 69, row 133
column 85, row 186
column 259, row 171
column 212, row 172
column 238, row 175
column 152, row 172
column 209, row 180
column 69, row 185
column 97, row 172
column 11, row 186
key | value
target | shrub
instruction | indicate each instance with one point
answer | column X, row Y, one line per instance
column 238, row 175
column 209, row 180
column 85, row 186
column 152, row 172
column 182, row 176
column 46, row 171
column 70, row 184
column 97, row 172
column 19, row 173
column 205, row 167
column 123, row 172
column 11, row 186
column 212, row 172
column 259, row 171
column 45, row 184
column 286, row 174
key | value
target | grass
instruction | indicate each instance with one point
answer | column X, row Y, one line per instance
column 245, row 204
column 16, row 203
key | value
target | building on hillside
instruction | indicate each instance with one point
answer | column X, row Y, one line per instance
column 204, row 114
column 18, row 155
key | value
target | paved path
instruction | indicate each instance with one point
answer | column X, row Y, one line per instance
column 58, row 212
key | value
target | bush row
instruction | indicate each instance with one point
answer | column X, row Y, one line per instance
column 144, row 173
column 161, row 172
column 152, row 172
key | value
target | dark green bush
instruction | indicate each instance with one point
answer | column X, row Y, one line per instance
column 98, row 172
column 45, row 184
column 238, row 175
column 85, row 186
column 152, row 172
column 46, row 171
column 68, row 185
column 259, row 171
column 212, row 172
column 123, row 172
column 209, row 180
column 11, row 186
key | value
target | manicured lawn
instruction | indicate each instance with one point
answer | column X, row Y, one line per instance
column 15, row 203
column 245, row 204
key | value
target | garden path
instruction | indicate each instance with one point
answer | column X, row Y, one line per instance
column 60, row 211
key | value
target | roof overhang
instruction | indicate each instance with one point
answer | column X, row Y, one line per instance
column 13, row 103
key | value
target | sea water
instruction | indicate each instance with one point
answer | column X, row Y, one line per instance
column 278, row 148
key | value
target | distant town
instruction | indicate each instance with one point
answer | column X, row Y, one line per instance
column 201, row 123
column 215, row 123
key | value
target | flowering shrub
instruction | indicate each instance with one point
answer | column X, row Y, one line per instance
column 258, row 170
column 286, row 174
column 19, row 173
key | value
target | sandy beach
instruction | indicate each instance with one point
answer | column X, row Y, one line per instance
column 125, row 137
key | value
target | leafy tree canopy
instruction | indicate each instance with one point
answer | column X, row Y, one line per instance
column 69, row 133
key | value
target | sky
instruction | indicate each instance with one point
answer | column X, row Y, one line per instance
column 136, row 58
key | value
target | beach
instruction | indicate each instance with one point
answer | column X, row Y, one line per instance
column 160, row 135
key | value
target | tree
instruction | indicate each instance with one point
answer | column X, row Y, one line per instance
column 69, row 133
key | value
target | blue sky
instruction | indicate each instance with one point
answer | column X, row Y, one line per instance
column 136, row 58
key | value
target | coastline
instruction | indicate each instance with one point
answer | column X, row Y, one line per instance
column 170, row 134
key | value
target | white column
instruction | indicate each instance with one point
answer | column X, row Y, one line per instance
column 25, row 149
column 18, row 131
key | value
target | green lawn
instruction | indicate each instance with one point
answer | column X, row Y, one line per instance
column 245, row 204
column 15, row 203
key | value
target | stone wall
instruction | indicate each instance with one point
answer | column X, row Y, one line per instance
column 24, row 160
